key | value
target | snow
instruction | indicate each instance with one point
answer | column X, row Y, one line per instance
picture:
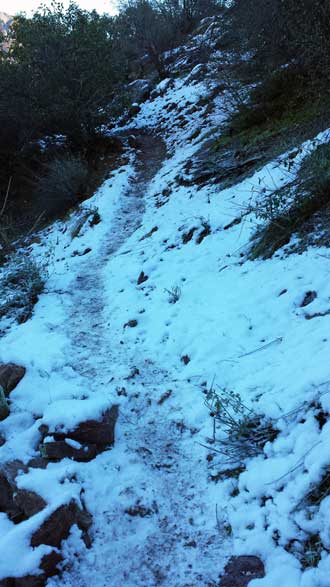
column 240, row 323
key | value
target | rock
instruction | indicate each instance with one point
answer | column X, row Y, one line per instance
column 185, row 359
column 100, row 432
column 131, row 324
column 163, row 87
column 27, row 581
column 149, row 234
column 60, row 449
column 197, row 74
column 7, row 504
column 134, row 110
column 48, row 565
column 240, row 570
column 81, row 444
column 18, row 504
column 28, row 502
column 81, row 253
column 142, row 278
column 57, row 527
column 308, row 298
column 38, row 463
column 10, row 376
column 139, row 90
column 4, row 408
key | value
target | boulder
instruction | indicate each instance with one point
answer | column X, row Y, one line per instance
column 139, row 90
column 58, row 525
column 100, row 432
column 10, row 376
column 240, row 570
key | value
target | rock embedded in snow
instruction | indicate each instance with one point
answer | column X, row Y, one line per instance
column 18, row 504
column 60, row 449
column 28, row 502
column 240, row 570
column 142, row 278
column 4, row 408
column 48, row 566
column 100, row 433
column 131, row 324
column 58, row 525
column 309, row 297
column 10, row 376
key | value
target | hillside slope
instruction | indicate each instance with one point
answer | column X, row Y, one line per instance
column 218, row 363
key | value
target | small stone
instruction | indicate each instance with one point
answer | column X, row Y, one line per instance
column 185, row 359
column 142, row 278
column 131, row 324
column 308, row 298
column 240, row 570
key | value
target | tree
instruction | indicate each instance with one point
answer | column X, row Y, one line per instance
column 60, row 69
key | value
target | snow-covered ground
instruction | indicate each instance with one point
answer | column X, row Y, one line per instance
column 206, row 316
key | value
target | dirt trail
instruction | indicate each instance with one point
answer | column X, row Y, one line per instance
column 148, row 496
column 87, row 329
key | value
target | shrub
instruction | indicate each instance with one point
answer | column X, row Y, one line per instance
column 244, row 433
column 21, row 285
column 279, row 93
column 65, row 179
column 308, row 194
column 174, row 294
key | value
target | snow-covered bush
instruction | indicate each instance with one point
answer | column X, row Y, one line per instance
column 21, row 287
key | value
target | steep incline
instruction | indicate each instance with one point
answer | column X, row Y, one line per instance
column 152, row 308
